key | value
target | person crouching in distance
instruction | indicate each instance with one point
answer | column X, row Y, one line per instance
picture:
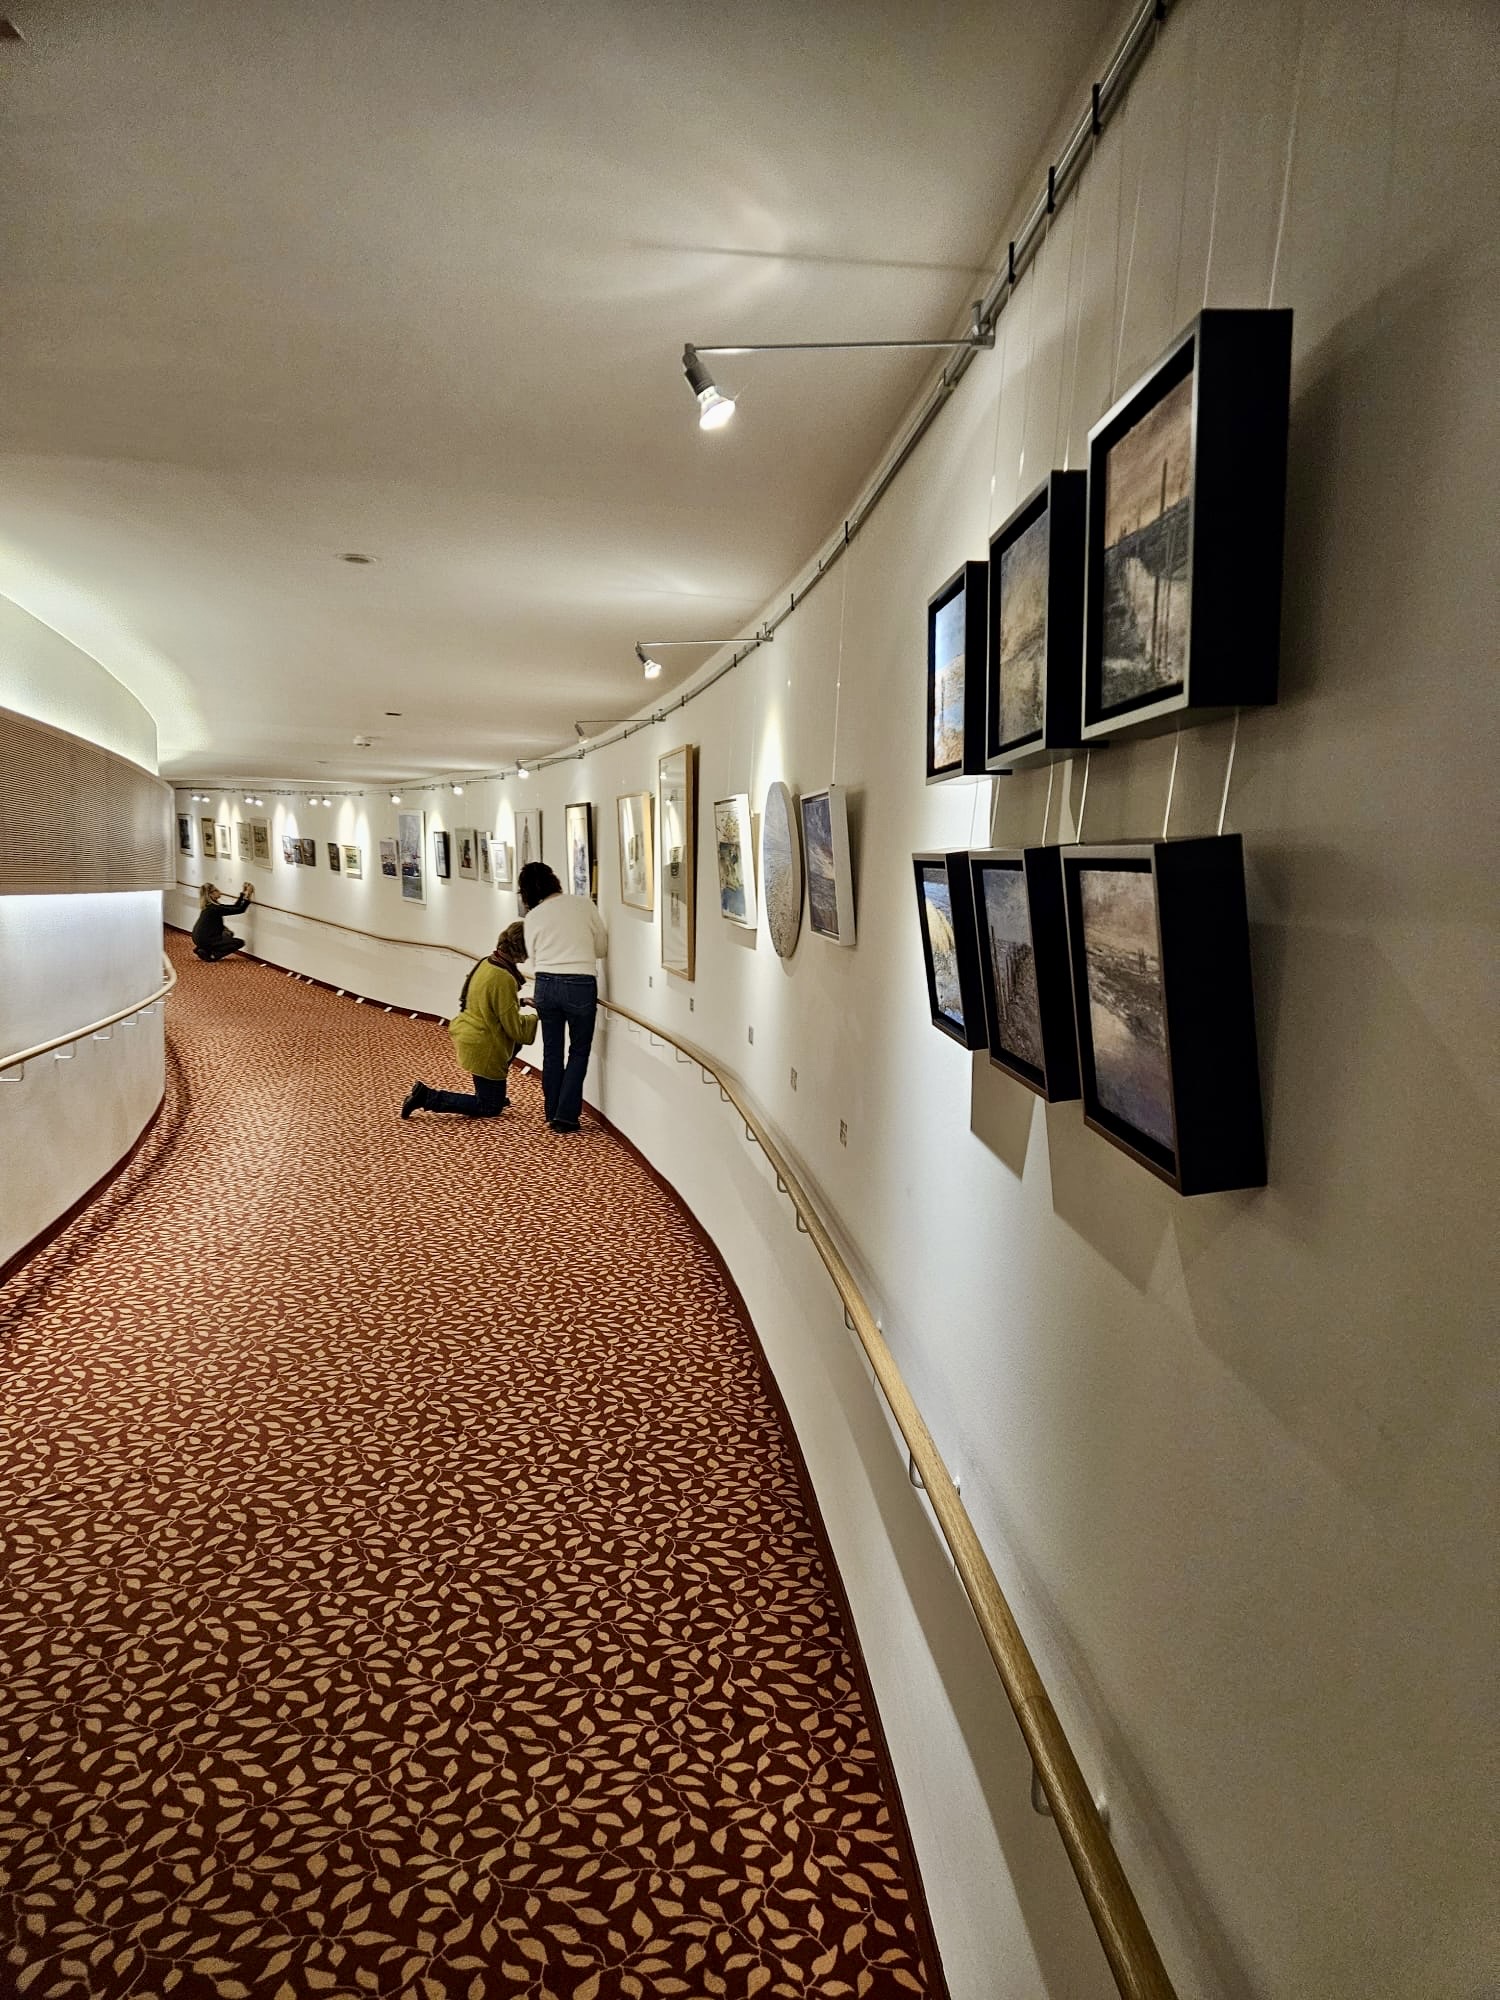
column 565, row 939
column 487, row 1030
column 210, row 938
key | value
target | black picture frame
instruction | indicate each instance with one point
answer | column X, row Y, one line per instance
column 442, row 855
column 335, row 861
column 952, row 870
column 1061, row 501
column 1210, row 642
column 1183, row 1026
column 1050, row 1067
column 970, row 581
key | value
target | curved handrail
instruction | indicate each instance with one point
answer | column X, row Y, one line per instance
column 1128, row 1945
column 24, row 1056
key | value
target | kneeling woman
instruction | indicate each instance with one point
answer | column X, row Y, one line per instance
column 211, row 940
column 487, row 1030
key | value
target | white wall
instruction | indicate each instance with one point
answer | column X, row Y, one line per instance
column 1233, row 1458
column 68, row 960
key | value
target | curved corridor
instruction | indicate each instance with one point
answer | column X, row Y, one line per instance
column 410, row 1582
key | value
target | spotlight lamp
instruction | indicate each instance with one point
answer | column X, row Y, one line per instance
column 651, row 668
column 457, row 791
column 522, row 772
column 714, row 407
column 395, row 798
column 328, row 802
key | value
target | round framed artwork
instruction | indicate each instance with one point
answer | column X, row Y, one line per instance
column 781, row 868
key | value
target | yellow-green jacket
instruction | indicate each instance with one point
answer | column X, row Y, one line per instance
column 491, row 1027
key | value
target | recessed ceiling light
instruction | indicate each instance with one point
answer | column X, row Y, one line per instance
column 355, row 557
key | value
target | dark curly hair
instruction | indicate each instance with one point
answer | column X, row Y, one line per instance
column 536, row 883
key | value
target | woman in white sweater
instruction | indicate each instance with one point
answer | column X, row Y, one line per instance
column 565, row 939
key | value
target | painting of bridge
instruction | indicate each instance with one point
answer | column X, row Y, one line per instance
column 1147, row 476
column 1007, row 923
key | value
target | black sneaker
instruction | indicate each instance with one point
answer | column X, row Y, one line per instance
column 416, row 1097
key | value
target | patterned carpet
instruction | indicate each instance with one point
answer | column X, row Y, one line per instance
column 409, row 1587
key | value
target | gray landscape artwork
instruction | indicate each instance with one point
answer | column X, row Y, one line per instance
column 1013, row 965
column 1127, row 1021
column 1146, row 478
column 781, row 870
column 1023, row 632
column 937, row 909
column 822, row 889
column 948, row 683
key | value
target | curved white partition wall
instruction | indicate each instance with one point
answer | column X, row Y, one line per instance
column 69, row 957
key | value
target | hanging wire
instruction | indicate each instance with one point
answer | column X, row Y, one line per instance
column 1135, row 218
column 1234, row 738
column 1091, row 175
column 999, row 409
column 1187, row 160
column 838, row 685
column 1166, row 818
column 1088, row 756
column 1036, row 286
column 1062, row 361
column 1213, row 205
column 1291, row 147
column 1047, row 808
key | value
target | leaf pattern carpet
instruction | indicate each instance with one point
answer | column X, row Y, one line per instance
column 410, row 1584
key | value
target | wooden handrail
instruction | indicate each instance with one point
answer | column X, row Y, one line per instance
column 1128, row 1945
column 352, row 930
column 24, row 1056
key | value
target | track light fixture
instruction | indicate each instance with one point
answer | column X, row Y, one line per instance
column 645, row 649
column 328, row 802
column 714, row 407
column 651, row 668
column 715, row 410
column 395, row 798
column 522, row 772
column 457, row 791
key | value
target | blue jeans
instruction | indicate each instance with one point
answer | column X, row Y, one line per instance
column 565, row 1004
column 486, row 1100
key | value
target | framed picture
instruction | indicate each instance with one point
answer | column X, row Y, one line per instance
column 222, row 843
column 243, row 836
column 677, row 816
column 781, row 868
column 260, row 841
column 1159, row 947
column 184, row 833
column 334, row 856
column 1186, row 510
column 1034, row 695
column 442, row 864
column 950, row 954
column 528, row 837
column 955, row 674
column 483, row 840
column 830, row 873
column 354, row 863
column 1025, row 980
column 410, row 827
column 307, row 852
column 578, row 836
column 467, row 843
column 504, row 858
column 390, row 858
column 734, row 845
column 637, row 869
column 210, row 840
column 291, row 850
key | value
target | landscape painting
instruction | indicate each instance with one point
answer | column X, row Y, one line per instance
column 409, row 842
column 1147, row 477
column 260, row 841
column 734, row 846
column 291, row 850
column 781, row 869
column 826, row 859
column 578, row 835
column 390, row 858
column 504, row 857
column 185, row 833
column 207, row 828
column 1127, row 1018
column 242, row 831
column 942, row 943
column 307, row 851
column 676, row 816
column 633, row 821
column 1022, row 665
column 354, row 865
column 221, row 835
column 1007, row 929
column 947, row 670
column 334, row 853
column 468, row 852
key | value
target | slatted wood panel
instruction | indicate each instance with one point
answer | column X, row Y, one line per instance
column 76, row 818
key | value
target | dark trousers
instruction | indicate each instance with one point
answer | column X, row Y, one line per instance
column 220, row 948
column 565, row 1005
column 486, row 1100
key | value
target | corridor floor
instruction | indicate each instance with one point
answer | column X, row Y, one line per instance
column 409, row 1585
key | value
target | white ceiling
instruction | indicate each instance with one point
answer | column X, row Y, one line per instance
column 283, row 280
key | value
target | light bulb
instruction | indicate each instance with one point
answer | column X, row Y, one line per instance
column 395, row 798
column 458, row 791
column 652, row 668
column 714, row 409
column 522, row 772
column 328, row 802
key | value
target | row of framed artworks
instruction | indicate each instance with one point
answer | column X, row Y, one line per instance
column 343, row 856
column 1115, row 974
column 1141, row 592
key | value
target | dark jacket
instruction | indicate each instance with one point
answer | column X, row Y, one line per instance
column 209, row 928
